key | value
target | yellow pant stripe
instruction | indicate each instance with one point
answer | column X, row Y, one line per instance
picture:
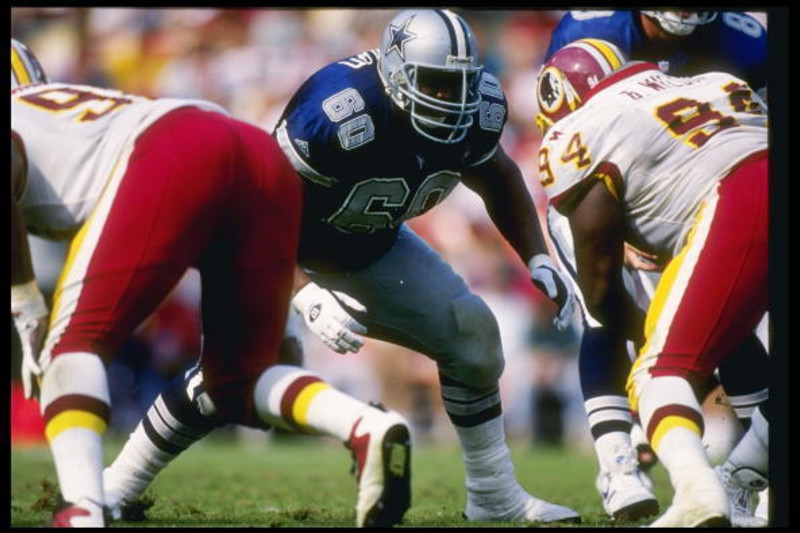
column 303, row 401
column 72, row 419
column 654, row 340
column 669, row 423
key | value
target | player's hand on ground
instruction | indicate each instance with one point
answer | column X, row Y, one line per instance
column 549, row 280
column 328, row 319
column 30, row 315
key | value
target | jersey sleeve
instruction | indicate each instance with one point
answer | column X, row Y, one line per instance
column 492, row 118
column 304, row 135
column 578, row 151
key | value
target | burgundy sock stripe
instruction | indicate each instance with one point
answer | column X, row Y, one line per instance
column 290, row 395
column 77, row 402
column 673, row 409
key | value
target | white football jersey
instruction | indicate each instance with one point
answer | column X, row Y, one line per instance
column 75, row 137
column 661, row 143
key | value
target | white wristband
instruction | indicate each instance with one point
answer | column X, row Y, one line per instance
column 24, row 293
column 305, row 296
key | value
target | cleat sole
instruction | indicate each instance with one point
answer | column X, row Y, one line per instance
column 636, row 511
column 396, row 496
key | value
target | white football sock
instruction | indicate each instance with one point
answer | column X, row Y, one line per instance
column 679, row 446
column 487, row 459
column 296, row 399
column 613, row 450
column 74, row 392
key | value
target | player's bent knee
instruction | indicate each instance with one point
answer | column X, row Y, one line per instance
column 476, row 357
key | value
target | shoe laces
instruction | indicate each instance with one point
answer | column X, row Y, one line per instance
column 742, row 500
column 354, row 466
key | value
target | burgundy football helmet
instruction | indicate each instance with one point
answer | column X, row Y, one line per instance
column 569, row 74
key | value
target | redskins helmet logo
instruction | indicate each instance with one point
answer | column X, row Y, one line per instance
column 551, row 92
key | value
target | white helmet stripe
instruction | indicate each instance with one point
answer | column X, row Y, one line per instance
column 458, row 35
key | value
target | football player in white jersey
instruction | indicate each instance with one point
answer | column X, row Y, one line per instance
column 678, row 168
column 681, row 43
column 146, row 189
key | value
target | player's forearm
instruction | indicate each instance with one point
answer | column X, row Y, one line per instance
column 510, row 206
column 522, row 231
column 609, row 303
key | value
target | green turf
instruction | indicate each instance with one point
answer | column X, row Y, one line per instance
column 306, row 483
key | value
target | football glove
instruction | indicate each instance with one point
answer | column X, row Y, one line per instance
column 30, row 318
column 325, row 316
column 549, row 280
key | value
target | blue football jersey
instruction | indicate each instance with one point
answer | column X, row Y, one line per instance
column 734, row 42
column 364, row 168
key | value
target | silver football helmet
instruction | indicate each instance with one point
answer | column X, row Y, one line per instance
column 429, row 66
column 681, row 22
column 25, row 68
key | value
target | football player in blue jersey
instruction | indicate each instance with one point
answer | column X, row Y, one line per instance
column 379, row 138
column 680, row 43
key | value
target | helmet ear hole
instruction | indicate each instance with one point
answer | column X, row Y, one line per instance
column 429, row 66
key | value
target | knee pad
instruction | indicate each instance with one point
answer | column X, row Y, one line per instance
column 474, row 355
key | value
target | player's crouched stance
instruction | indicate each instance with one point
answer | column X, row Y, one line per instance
column 147, row 189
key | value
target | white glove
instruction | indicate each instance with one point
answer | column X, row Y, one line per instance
column 549, row 280
column 30, row 318
column 328, row 320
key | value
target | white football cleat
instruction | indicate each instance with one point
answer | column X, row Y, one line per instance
column 84, row 513
column 741, row 499
column 626, row 497
column 700, row 501
column 113, row 495
column 380, row 444
column 518, row 507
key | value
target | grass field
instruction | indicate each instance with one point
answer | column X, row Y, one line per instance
column 306, row 483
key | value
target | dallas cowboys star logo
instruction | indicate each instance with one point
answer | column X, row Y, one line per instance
column 400, row 36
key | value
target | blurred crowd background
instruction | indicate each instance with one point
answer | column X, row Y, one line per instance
column 251, row 61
